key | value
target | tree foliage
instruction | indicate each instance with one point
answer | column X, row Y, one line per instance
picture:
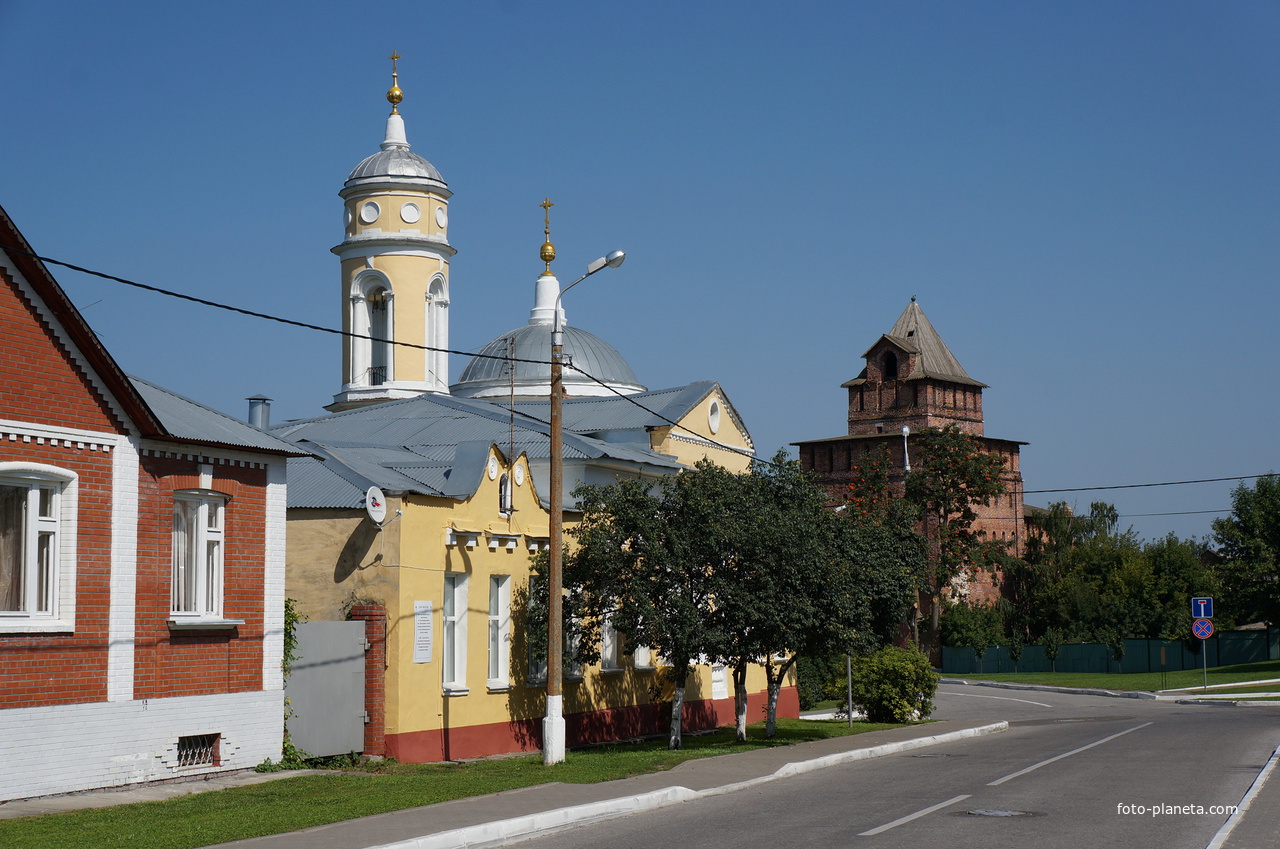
column 1082, row 579
column 1249, row 543
column 735, row 568
column 951, row 478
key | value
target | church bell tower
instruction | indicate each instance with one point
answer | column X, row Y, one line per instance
column 395, row 272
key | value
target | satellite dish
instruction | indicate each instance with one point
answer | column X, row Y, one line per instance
column 375, row 504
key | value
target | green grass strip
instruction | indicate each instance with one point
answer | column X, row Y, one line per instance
column 1149, row 681
column 290, row 804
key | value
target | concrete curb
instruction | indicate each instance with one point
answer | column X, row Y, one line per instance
column 1046, row 688
column 547, row 822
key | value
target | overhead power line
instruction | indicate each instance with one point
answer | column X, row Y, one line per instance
column 1139, row 485
column 346, row 333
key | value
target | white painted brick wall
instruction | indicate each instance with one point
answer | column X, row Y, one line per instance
column 273, row 577
column 61, row 749
column 124, row 572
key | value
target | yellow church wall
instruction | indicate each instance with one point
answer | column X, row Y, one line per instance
column 389, row 219
column 339, row 557
column 678, row 443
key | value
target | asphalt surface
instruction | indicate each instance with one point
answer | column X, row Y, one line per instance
column 501, row 818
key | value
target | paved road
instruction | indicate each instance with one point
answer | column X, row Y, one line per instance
column 1072, row 771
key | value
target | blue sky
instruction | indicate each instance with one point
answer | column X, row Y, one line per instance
column 1084, row 197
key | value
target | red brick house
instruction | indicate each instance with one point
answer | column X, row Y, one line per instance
column 912, row 380
column 141, row 562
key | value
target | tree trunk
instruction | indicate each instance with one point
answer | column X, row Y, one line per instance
column 774, row 683
column 677, row 709
column 740, row 699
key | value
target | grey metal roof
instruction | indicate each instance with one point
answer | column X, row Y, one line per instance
column 588, row 353
column 914, row 333
column 190, row 420
column 635, row 412
column 396, row 162
column 431, row 444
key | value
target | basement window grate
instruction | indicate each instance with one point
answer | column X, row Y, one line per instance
column 198, row 750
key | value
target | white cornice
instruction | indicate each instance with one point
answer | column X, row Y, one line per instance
column 400, row 244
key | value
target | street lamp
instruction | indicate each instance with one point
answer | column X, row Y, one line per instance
column 553, row 722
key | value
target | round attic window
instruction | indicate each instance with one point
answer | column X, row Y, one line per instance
column 713, row 417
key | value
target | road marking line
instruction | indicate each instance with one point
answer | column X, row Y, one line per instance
column 999, row 781
column 909, row 817
column 1001, row 698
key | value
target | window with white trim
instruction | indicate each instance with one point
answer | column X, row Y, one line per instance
column 499, row 631
column 608, row 645
column 197, row 554
column 455, row 632
column 31, row 539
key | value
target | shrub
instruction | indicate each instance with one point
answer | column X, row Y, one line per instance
column 894, row 685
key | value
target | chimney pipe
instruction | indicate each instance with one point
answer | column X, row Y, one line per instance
column 259, row 411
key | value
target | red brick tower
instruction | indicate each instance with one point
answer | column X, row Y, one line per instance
column 912, row 380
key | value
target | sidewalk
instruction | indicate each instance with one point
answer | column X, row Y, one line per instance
column 495, row 819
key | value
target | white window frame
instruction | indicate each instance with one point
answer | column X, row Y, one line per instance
column 366, row 286
column 198, row 560
column 609, row 646
column 499, row 675
column 51, row 607
column 454, row 621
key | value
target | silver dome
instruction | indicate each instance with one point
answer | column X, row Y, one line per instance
column 396, row 163
column 488, row 374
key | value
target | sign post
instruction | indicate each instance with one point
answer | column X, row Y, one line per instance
column 1202, row 610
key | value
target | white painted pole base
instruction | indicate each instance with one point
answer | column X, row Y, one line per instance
column 553, row 731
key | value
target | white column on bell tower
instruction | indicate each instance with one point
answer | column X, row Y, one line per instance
column 395, row 272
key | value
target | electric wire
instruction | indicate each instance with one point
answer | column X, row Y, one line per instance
column 510, row 358
column 346, row 333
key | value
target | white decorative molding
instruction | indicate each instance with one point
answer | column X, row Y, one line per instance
column 465, row 538
column 122, row 616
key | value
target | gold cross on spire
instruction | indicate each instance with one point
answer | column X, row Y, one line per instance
column 394, row 94
column 548, row 252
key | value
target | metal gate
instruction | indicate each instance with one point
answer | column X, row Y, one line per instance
column 325, row 688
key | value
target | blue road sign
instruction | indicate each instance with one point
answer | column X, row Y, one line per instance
column 1202, row 608
column 1202, row 628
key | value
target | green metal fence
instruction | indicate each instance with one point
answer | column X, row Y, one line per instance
column 1225, row 648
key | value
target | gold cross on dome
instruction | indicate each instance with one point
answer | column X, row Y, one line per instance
column 393, row 57
column 546, row 214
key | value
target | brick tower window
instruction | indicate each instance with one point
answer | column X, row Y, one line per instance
column 890, row 366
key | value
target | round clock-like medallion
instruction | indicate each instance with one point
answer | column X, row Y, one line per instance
column 442, row 217
column 410, row 213
column 493, row 468
column 369, row 212
column 519, row 475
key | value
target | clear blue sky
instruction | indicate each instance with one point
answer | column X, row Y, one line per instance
column 1085, row 198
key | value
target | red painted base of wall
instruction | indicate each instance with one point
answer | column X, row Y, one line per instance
column 601, row 726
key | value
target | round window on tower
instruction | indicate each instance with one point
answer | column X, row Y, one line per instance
column 410, row 213
column 369, row 212
column 442, row 217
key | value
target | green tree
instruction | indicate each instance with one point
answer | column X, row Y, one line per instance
column 646, row 557
column 951, row 478
column 1249, row 542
